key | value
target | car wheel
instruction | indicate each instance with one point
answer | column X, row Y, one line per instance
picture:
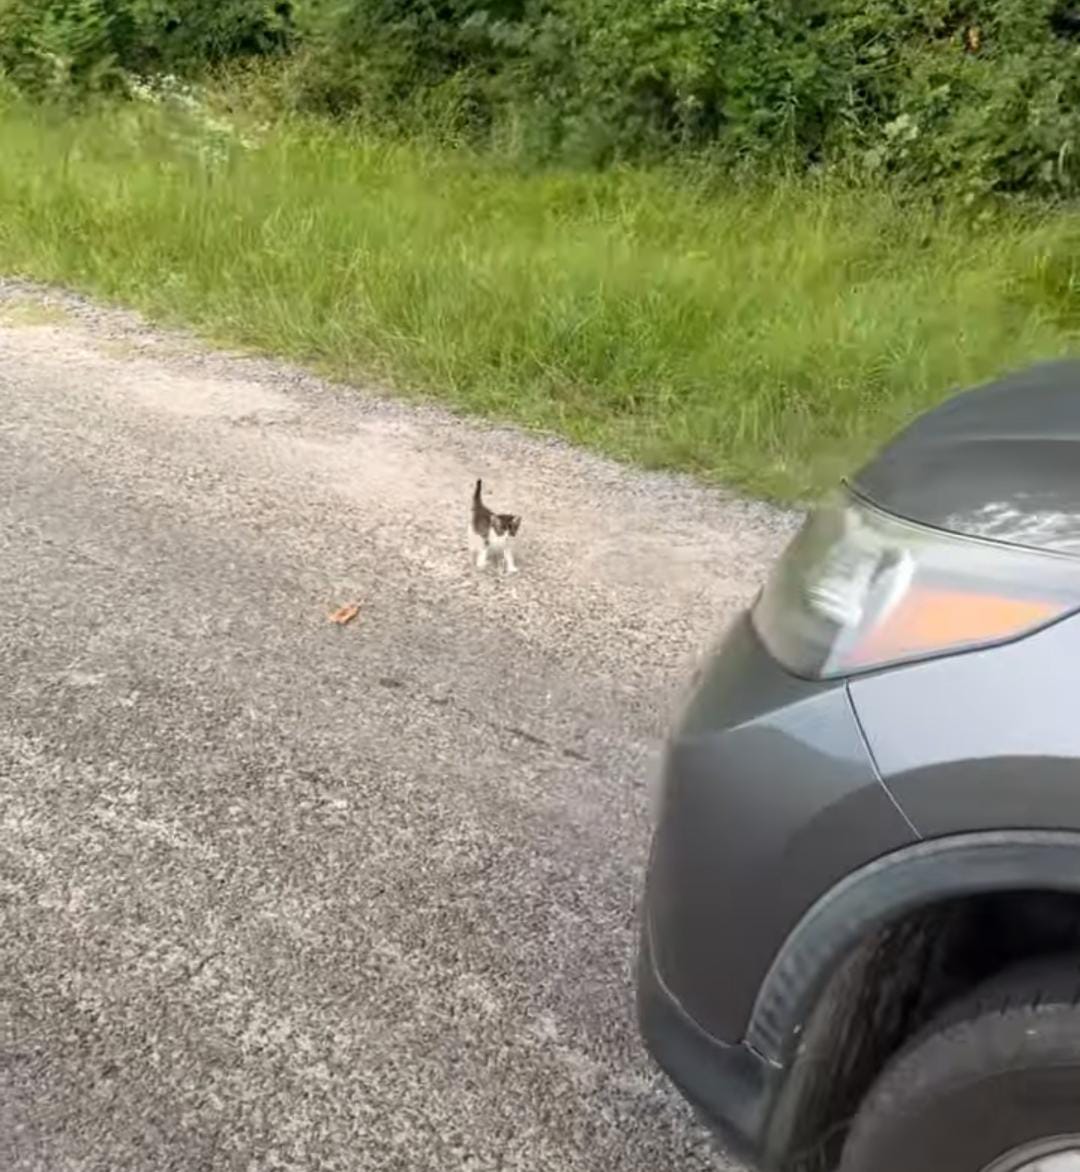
column 992, row 1085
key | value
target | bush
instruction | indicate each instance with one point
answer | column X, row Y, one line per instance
column 983, row 95
column 69, row 48
column 975, row 96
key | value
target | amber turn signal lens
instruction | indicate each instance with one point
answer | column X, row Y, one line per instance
column 928, row 619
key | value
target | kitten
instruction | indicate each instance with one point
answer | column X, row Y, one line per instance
column 492, row 533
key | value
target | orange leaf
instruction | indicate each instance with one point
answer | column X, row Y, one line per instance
column 345, row 614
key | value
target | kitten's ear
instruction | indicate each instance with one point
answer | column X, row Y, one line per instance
column 515, row 525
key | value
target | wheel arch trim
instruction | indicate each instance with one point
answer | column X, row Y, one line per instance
column 915, row 876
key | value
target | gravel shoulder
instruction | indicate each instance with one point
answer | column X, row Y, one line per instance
column 282, row 895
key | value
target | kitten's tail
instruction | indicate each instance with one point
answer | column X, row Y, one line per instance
column 476, row 492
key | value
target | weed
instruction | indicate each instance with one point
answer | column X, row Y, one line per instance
column 767, row 337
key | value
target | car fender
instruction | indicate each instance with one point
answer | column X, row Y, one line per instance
column 986, row 740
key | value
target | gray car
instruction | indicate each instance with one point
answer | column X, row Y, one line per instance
column 861, row 925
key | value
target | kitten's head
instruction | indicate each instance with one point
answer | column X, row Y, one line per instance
column 505, row 524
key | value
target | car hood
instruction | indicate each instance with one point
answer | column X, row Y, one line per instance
column 1001, row 461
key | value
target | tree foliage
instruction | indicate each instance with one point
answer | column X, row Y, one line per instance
column 978, row 96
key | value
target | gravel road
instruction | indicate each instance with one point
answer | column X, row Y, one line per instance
column 277, row 894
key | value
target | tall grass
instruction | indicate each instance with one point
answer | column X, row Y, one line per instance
column 767, row 338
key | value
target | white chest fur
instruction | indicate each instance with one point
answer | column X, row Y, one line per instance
column 499, row 545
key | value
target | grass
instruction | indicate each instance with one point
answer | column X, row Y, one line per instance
column 766, row 338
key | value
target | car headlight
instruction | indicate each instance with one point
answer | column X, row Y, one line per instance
column 858, row 588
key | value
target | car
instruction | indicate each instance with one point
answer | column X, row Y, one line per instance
column 860, row 939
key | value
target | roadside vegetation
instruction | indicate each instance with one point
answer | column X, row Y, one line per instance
column 727, row 236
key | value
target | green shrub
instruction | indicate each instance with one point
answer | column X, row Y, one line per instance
column 982, row 95
column 974, row 96
column 60, row 48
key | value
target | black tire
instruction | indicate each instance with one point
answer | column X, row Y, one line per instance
column 997, row 1070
